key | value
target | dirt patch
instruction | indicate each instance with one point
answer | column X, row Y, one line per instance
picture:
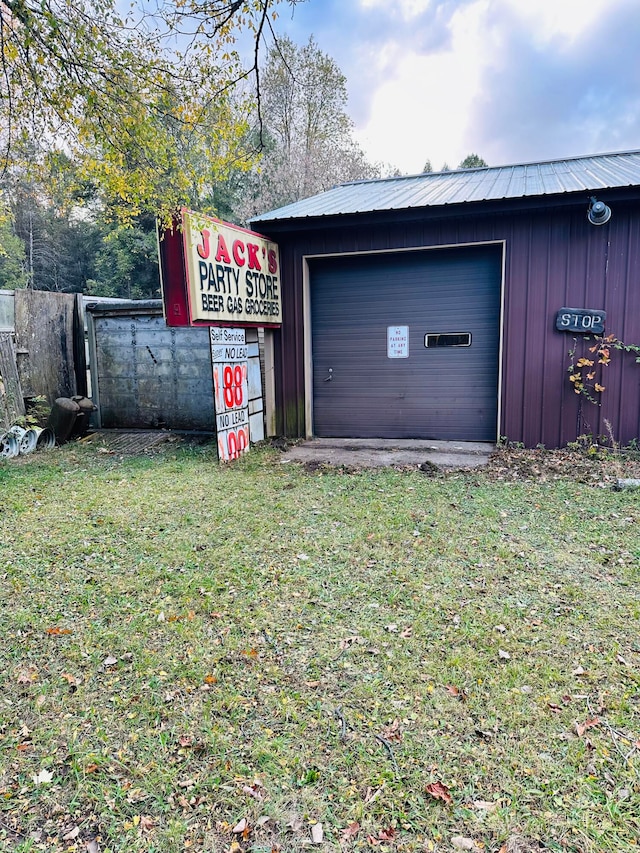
column 595, row 465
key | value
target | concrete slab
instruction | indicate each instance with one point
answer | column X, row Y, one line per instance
column 381, row 453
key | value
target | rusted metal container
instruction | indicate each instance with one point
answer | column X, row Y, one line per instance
column 62, row 418
column 87, row 408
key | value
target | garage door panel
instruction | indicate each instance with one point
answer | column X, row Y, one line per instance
column 437, row 392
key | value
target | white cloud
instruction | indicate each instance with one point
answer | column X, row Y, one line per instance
column 510, row 80
column 549, row 19
column 406, row 8
column 423, row 106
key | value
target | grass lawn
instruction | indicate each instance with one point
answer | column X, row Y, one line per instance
column 259, row 657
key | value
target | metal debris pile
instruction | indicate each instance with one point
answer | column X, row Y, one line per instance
column 19, row 441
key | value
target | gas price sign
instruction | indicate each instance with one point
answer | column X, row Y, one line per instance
column 231, row 393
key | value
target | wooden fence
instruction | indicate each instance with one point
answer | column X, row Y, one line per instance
column 11, row 399
column 45, row 356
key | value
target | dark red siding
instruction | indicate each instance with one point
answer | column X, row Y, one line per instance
column 553, row 258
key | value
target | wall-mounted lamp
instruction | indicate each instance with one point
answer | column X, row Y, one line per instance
column 598, row 212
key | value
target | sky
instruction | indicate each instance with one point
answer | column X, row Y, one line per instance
column 514, row 81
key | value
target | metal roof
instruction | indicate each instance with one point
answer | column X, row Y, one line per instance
column 491, row 183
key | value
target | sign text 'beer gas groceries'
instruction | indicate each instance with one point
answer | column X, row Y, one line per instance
column 233, row 275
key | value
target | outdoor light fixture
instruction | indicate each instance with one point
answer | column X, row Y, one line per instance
column 598, row 212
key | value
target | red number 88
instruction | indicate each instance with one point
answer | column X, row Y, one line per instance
column 232, row 386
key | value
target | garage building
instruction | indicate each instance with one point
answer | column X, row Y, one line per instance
column 426, row 306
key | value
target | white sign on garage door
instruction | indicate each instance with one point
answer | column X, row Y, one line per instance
column 397, row 342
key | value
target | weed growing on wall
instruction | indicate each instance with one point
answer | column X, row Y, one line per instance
column 587, row 374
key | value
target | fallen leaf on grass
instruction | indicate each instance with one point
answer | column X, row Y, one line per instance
column 58, row 632
column 439, row 792
column 503, row 655
column 44, row 777
column 137, row 795
column 210, row 679
column 72, row 834
column 350, row 831
column 452, row 690
column 317, row 833
column 462, row 843
column 146, row 823
column 27, row 676
column 70, row 679
column 92, row 846
column 484, row 806
column 384, row 835
column 178, row 617
column 347, row 642
column 371, row 794
column 110, row 661
column 392, row 731
column 581, row 728
column 579, row 670
column 254, row 790
column 241, row 827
